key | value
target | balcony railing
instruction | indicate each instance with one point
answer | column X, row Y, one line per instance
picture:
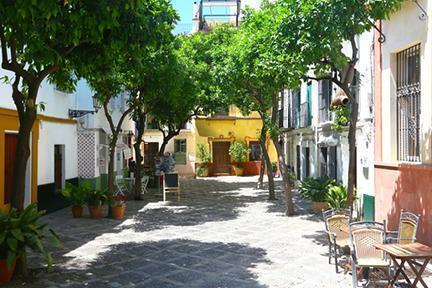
column 325, row 114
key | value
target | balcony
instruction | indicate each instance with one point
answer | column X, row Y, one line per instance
column 211, row 13
column 325, row 114
column 305, row 116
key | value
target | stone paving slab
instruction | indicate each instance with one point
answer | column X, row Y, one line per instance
column 222, row 233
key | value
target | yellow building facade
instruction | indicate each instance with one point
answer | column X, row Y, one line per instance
column 217, row 133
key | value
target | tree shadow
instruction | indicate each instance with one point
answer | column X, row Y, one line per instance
column 165, row 263
column 222, row 202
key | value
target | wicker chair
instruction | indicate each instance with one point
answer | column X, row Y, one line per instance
column 337, row 227
column 364, row 255
column 408, row 227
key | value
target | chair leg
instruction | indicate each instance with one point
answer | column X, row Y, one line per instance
column 335, row 257
column 330, row 252
column 354, row 274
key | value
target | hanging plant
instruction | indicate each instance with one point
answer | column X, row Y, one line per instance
column 341, row 119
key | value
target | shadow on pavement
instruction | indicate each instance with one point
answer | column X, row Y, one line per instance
column 162, row 264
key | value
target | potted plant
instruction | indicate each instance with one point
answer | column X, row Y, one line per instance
column 19, row 231
column 77, row 196
column 317, row 191
column 118, row 206
column 95, row 200
column 204, row 156
column 337, row 196
column 238, row 152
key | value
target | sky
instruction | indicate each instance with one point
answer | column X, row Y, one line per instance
column 184, row 8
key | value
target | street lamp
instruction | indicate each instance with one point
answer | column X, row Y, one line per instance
column 79, row 113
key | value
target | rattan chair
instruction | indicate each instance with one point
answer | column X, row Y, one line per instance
column 364, row 255
column 337, row 228
column 407, row 231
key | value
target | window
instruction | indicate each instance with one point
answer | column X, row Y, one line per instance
column 180, row 151
column 222, row 111
column 325, row 94
column 255, row 151
column 408, row 104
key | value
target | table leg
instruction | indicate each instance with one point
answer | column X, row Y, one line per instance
column 399, row 270
column 419, row 273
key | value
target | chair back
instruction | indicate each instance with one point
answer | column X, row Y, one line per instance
column 337, row 222
column 363, row 236
column 408, row 227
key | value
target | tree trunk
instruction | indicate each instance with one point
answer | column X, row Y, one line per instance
column 140, row 126
column 164, row 144
column 111, row 176
column 260, row 184
column 21, row 158
column 352, row 153
column 27, row 115
column 272, row 195
column 285, row 177
column 281, row 158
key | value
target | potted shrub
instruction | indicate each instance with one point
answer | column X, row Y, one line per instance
column 95, row 200
column 77, row 196
column 204, row 156
column 316, row 190
column 118, row 206
column 337, row 196
column 238, row 152
column 19, row 231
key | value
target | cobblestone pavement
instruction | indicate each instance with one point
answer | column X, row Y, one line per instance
column 222, row 233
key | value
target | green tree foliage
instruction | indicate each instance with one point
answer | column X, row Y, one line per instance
column 38, row 39
column 314, row 32
column 125, row 61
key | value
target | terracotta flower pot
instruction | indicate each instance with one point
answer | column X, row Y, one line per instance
column 95, row 212
column 77, row 211
column 239, row 171
column 6, row 273
column 317, row 207
column 117, row 212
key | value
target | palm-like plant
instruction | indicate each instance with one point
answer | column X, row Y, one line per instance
column 315, row 189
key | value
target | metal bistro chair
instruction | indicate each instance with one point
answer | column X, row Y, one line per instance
column 337, row 227
column 407, row 231
column 121, row 186
column 364, row 255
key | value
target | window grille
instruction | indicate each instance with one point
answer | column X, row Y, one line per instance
column 408, row 104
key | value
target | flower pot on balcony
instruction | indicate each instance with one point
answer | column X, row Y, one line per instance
column 77, row 211
column 5, row 272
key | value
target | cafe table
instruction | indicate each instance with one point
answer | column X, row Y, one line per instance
column 411, row 254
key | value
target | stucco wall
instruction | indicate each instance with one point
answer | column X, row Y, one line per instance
column 51, row 134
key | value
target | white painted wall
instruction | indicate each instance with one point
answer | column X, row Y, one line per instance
column 51, row 134
column 405, row 29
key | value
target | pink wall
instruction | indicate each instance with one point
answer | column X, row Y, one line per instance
column 405, row 187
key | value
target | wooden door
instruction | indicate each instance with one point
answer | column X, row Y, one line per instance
column 58, row 167
column 221, row 158
column 151, row 150
column 11, row 141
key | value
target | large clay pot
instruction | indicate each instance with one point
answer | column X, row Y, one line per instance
column 317, row 207
column 6, row 273
column 117, row 212
column 239, row 171
column 77, row 211
column 95, row 212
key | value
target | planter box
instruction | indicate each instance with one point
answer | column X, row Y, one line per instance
column 317, row 207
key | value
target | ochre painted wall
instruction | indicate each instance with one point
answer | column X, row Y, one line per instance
column 405, row 187
column 239, row 129
column 9, row 122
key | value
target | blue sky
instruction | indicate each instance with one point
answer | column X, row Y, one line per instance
column 184, row 8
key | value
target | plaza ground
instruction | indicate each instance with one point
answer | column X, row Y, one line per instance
column 222, row 233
